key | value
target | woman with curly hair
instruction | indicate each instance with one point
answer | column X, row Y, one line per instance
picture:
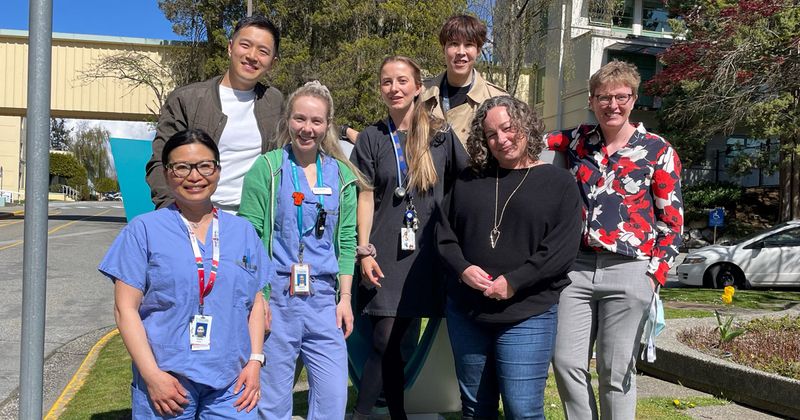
column 512, row 234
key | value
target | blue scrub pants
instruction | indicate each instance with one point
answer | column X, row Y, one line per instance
column 204, row 402
column 502, row 360
column 304, row 326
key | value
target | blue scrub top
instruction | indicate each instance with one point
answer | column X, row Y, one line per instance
column 319, row 253
column 154, row 254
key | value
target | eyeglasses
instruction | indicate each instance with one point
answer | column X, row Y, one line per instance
column 605, row 100
column 183, row 169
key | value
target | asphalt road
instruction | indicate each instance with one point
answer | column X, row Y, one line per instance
column 79, row 299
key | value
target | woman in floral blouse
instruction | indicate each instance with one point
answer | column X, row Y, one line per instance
column 629, row 180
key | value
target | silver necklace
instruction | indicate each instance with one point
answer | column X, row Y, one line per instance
column 494, row 235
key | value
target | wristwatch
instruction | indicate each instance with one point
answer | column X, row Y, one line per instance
column 259, row 357
column 343, row 131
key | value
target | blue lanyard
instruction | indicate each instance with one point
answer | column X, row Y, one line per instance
column 296, row 183
column 402, row 167
column 445, row 94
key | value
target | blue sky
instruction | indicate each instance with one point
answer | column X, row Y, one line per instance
column 131, row 18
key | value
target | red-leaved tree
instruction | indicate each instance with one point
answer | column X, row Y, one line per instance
column 738, row 68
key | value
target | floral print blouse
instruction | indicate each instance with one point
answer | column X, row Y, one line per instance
column 632, row 199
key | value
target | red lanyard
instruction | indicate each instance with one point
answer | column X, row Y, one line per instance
column 205, row 289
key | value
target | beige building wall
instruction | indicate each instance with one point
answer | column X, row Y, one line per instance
column 10, row 133
column 71, row 96
column 583, row 49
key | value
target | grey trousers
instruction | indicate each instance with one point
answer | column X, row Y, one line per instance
column 604, row 307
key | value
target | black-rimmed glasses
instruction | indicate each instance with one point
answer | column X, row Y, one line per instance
column 183, row 169
column 605, row 100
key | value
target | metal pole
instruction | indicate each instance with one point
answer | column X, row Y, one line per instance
column 34, row 260
column 249, row 7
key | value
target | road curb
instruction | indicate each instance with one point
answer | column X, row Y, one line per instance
column 79, row 378
column 677, row 362
column 10, row 214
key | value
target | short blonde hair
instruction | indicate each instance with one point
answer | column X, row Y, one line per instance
column 616, row 73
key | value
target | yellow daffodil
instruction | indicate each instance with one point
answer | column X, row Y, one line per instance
column 729, row 290
column 727, row 299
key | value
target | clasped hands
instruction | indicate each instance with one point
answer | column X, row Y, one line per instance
column 497, row 289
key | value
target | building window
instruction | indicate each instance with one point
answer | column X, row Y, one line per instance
column 611, row 12
column 646, row 64
column 537, row 86
column 655, row 17
column 619, row 13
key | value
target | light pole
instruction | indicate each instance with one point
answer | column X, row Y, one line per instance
column 249, row 7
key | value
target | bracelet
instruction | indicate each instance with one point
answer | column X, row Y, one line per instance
column 346, row 294
column 366, row 250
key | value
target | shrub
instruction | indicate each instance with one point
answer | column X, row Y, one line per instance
column 66, row 166
column 104, row 185
column 705, row 195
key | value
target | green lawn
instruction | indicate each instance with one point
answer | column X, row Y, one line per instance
column 106, row 394
column 743, row 299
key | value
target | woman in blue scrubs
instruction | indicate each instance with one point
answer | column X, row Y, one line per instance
column 187, row 279
column 301, row 198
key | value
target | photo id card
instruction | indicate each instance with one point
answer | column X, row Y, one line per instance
column 322, row 190
column 200, row 332
column 408, row 240
column 301, row 279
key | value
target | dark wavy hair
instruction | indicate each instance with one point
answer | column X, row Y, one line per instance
column 523, row 119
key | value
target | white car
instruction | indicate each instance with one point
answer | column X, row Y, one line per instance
column 766, row 259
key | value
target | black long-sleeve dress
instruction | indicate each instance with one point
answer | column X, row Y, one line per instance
column 413, row 285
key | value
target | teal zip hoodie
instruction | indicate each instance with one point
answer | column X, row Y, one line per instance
column 258, row 206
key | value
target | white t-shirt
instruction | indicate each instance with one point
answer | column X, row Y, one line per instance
column 239, row 145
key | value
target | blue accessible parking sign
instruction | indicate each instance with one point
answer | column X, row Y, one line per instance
column 716, row 217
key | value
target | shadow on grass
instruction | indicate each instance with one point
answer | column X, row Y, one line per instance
column 112, row 415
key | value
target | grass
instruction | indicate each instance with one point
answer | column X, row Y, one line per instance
column 106, row 394
column 743, row 299
column 673, row 313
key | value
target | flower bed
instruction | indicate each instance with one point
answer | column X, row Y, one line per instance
column 768, row 344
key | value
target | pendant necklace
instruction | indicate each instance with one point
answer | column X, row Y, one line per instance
column 494, row 235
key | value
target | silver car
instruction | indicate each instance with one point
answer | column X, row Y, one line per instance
column 766, row 259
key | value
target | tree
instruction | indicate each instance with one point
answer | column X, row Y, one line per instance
column 737, row 69
column 105, row 184
column 138, row 69
column 89, row 145
column 65, row 169
column 519, row 33
column 59, row 134
column 339, row 42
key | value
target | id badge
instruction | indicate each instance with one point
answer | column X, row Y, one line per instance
column 322, row 190
column 200, row 332
column 301, row 279
column 408, row 240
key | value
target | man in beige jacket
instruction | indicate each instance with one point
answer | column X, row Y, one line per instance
column 458, row 92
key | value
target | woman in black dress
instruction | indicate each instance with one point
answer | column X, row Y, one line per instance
column 411, row 158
